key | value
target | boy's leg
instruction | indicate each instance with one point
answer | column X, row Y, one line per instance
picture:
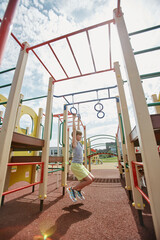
column 84, row 182
column 91, row 175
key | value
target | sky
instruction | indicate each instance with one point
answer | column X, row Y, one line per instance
column 37, row 21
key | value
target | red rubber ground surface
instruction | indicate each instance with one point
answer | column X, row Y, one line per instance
column 106, row 213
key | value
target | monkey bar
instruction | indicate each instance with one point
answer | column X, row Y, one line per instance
column 67, row 37
column 89, row 91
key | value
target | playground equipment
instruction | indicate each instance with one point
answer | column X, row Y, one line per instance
column 23, row 171
column 98, row 106
column 6, row 24
column 93, row 155
column 21, row 142
column 142, row 124
column 144, row 128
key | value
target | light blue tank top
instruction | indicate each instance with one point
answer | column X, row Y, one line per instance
column 78, row 153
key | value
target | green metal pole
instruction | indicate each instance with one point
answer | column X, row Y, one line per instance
column 144, row 30
column 150, row 75
column 8, row 70
column 6, row 85
column 3, row 103
column 153, row 104
column 30, row 99
column 122, row 127
column 147, row 50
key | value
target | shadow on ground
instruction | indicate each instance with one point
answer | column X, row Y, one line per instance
column 73, row 215
column 16, row 214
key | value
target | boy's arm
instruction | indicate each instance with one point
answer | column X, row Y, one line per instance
column 74, row 141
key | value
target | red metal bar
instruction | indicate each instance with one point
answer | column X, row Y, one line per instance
column 6, row 24
column 30, row 185
column 21, row 188
column 66, row 36
column 86, row 74
column 73, row 55
column 71, row 34
column 21, row 45
column 134, row 174
column 118, row 7
column 25, row 163
column 69, row 116
column 110, row 55
column 60, row 114
column 119, row 161
column 72, row 121
column 58, row 59
column 138, row 163
column 89, row 156
column 91, row 51
column 42, row 172
column 143, row 194
column 43, row 64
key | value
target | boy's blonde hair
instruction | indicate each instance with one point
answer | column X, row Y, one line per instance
column 78, row 132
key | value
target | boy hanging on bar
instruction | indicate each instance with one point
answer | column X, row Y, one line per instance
column 81, row 173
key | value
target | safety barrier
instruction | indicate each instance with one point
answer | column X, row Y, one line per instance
column 30, row 185
column 136, row 180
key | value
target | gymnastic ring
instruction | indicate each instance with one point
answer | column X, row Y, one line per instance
column 98, row 104
column 72, row 109
column 100, row 112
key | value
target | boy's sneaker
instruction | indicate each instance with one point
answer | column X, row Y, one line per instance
column 79, row 195
column 72, row 195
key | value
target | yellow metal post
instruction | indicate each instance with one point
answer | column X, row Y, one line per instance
column 1, row 113
column 124, row 150
column 119, row 156
column 144, row 126
column 64, row 149
column 85, row 148
column 127, row 129
column 38, row 135
column 46, row 136
column 68, row 151
column 89, row 152
column 58, row 136
column 8, row 126
column 156, row 99
column 18, row 113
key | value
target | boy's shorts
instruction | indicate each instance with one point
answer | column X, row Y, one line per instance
column 79, row 170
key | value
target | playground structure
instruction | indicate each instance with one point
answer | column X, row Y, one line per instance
column 146, row 134
column 92, row 154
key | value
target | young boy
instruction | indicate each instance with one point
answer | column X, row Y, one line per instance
column 77, row 167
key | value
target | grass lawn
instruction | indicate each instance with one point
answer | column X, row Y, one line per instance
column 111, row 159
